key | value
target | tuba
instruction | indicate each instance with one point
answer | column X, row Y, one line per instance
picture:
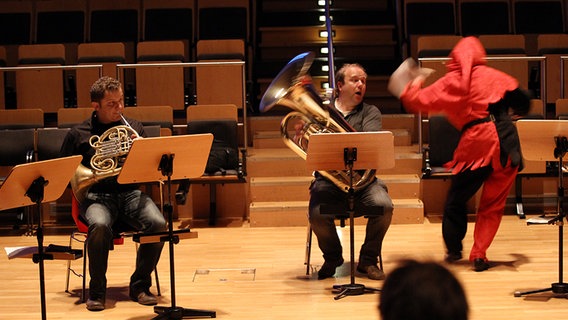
column 111, row 149
column 293, row 88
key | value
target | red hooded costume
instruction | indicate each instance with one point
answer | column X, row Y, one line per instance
column 468, row 94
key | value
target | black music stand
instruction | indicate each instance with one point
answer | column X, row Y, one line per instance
column 35, row 183
column 546, row 140
column 351, row 151
column 152, row 160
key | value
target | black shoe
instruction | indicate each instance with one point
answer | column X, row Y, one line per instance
column 328, row 269
column 372, row 271
column 452, row 257
column 144, row 297
column 480, row 265
column 96, row 304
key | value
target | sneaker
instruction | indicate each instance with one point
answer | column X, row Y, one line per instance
column 95, row 304
column 372, row 271
column 328, row 269
column 144, row 297
column 452, row 257
column 480, row 264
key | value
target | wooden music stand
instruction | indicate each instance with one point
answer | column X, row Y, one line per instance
column 351, row 151
column 35, row 183
column 546, row 140
column 152, row 160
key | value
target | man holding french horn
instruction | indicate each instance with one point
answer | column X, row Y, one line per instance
column 104, row 141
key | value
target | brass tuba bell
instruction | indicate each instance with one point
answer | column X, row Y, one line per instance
column 293, row 88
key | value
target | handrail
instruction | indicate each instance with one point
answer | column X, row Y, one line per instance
column 65, row 67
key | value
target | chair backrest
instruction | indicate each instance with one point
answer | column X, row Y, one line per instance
column 496, row 17
column 169, row 20
column 49, row 141
column 16, row 22
column 40, row 88
column 553, row 47
column 169, row 82
column 69, row 117
column 107, row 54
column 16, row 146
column 162, row 116
column 60, row 21
column 538, row 16
column 443, row 139
column 221, row 121
column 21, row 118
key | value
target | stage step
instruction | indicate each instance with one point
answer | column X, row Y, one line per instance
column 267, row 189
column 403, row 127
column 273, row 139
column 294, row 213
column 283, row 162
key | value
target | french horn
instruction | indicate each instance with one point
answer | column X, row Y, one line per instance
column 293, row 88
column 111, row 149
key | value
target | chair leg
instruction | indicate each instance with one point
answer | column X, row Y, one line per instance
column 84, row 287
column 68, row 267
column 157, row 281
column 308, row 250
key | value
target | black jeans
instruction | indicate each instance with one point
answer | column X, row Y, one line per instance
column 133, row 209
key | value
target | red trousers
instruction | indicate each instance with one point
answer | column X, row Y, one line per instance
column 496, row 185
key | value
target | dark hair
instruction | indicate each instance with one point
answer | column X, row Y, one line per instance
column 422, row 291
column 102, row 85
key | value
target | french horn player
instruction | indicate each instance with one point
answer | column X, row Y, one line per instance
column 345, row 112
column 104, row 140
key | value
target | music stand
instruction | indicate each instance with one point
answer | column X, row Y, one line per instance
column 545, row 140
column 35, row 183
column 152, row 160
column 351, row 151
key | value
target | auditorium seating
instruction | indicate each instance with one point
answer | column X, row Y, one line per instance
column 169, row 20
column 553, row 46
column 538, row 16
column 160, row 85
column 60, row 21
column 40, row 88
column 484, row 17
column 107, row 54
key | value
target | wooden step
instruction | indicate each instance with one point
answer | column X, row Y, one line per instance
column 273, row 139
column 294, row 213
column 266, row 189
column 278, row 162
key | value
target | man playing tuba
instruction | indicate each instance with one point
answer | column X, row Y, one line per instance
column 371, row 201
column 103, row 140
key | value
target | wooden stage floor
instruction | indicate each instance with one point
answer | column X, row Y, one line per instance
column 258, row 273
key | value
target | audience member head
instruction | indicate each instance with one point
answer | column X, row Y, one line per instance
column 422, row 291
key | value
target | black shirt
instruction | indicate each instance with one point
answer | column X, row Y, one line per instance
column 77, row 142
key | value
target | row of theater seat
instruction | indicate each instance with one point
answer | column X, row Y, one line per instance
column 473, row 17
column 538, row 68
column 154, row 86
column 77, row 21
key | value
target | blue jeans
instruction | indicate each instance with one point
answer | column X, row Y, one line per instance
column 372, row 202
column 131, row 209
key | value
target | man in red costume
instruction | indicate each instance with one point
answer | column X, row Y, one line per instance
column 476, row 100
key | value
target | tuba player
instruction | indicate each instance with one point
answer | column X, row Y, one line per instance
column 373, row 201
column 106, row 202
